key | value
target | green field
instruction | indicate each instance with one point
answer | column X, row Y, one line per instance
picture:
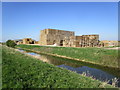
column 96, row 55
column 23, row 71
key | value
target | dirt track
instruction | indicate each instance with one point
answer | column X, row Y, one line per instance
column 115, row 48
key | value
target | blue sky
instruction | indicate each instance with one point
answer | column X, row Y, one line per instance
column 25, row 19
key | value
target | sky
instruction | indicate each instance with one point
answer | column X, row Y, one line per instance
column 26, row 19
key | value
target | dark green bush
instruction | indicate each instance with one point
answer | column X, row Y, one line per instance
column 10, row 43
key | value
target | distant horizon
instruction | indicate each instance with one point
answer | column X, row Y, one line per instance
column 26, row 19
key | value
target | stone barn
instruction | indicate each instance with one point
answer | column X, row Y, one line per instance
column 28, row 41
column 68, row 39
column 54, row 36
column 82, row 41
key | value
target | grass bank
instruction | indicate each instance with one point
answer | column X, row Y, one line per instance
column 23, row 71
column 93, row 55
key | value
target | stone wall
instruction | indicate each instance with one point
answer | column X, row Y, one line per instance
column 54, row 37
column 89, row 41
column 82, row 41
column 110, row 43
column 43, row 37
column 18, row 41
column 68, row 39
column 28, row 41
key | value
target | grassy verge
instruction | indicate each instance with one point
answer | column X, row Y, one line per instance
column 96, row 55
column 22, row 71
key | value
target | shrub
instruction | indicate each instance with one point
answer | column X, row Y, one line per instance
column 11, row 43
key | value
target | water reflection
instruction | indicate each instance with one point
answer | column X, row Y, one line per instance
column 77, row 67
column 94, row 73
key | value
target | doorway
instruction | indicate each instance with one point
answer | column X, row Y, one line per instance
column 61, row 42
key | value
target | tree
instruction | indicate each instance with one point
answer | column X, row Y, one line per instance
column 10, row 43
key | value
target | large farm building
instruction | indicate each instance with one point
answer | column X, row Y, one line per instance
column 67, row 39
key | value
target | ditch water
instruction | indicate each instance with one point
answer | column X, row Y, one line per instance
column 97, row 72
